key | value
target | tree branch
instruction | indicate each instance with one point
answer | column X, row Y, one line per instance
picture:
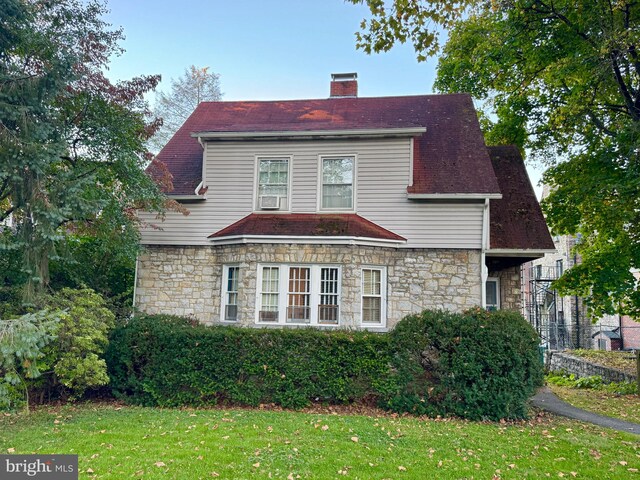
column 622, row 86
column 4, row 215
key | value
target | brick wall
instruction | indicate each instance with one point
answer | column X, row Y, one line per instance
column 630, row 333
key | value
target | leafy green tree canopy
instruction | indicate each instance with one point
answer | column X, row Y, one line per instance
column 560, row 79
column 72, row 143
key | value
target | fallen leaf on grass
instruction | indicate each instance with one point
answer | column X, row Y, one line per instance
column 325, row 427
column 89, row 470
column 596, row 454
column 355, row 439
column 622, row 462
column 11, row 450
column 256, row 465
column 160, row 464
column 402, row 469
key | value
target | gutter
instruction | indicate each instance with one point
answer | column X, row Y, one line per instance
column 454, row 196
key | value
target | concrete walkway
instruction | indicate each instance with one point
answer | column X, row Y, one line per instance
column 545, row 399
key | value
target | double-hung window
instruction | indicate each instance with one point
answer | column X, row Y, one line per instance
column 270, row 296
column 298, row 294
column 273, row 183
column 230, row 293
column 337, row 183
column 329, row 305
column 492, row 293
column 374, row 296
column 299, row 297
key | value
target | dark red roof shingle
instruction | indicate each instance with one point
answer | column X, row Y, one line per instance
column 449, row 158
column 307, row 225
column 517, row 221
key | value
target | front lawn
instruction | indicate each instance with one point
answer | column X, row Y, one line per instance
column 123, row 442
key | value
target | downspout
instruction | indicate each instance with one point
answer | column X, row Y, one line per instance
column 484, row 272
column 620, row 332
column 135, row 285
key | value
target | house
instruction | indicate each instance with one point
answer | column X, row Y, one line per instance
column 338, row 212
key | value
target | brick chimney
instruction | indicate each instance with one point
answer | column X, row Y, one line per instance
column 344, row 85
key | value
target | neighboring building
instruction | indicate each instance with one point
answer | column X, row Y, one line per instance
column 564, row 322
column 341, row 212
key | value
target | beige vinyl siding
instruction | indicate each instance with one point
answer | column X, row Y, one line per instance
column 382, row 176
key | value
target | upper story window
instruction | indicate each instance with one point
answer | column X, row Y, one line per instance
column 273, row 183
column 337, row 174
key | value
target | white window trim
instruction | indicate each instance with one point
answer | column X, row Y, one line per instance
column 497, row 282
column 224, row 291
column 256, row 182
column 353, row 186
column 283, row 293
column 383, row 296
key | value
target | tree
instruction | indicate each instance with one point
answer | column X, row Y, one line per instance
column 560, row 79
column 195, row 86
column 71, row 143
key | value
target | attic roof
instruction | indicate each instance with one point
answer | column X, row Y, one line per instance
column 449, row 158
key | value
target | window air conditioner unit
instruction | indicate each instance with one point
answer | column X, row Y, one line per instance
column 269, row 202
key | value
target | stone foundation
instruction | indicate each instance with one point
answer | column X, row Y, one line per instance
column 186, row 281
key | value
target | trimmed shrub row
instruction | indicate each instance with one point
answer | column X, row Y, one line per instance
column 475, row 365
column 168, row 361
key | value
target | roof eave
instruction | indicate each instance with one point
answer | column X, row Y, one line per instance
column 187, row 198
column 518, row 252
column 311, row 134
column 454, row 196
column 324, row 240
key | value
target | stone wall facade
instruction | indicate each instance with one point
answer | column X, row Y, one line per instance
column 580, row 367
column 510, row 288
column 187, row 281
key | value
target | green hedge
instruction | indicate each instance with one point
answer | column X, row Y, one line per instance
column 474, row 365
column 167, row 361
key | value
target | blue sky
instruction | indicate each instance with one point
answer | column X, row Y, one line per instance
column 262, row 49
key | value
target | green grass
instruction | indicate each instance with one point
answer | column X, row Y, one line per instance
column 625, row 407
column 129, row 442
